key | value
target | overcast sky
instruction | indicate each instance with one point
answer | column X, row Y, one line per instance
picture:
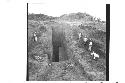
column 96, row 8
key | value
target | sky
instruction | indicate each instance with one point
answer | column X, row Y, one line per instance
column 96, row 8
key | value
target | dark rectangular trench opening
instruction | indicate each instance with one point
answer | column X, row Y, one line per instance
column 55, row 57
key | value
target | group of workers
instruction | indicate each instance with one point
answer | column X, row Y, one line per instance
column 88, row 44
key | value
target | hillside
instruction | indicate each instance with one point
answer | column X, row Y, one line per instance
column 77, row 16
column 75, row 60
column 40, row 17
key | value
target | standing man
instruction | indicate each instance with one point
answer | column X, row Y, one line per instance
column 80, row 35
column 90, row 46
column 35, row 36
column 85, row 39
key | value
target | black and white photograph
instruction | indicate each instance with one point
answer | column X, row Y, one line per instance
column 66, row 43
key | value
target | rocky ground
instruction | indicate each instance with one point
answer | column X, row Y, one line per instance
column 80, row 64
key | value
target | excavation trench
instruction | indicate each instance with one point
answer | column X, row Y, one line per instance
column 59, row 45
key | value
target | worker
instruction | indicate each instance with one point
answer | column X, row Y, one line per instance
column 90, row 45
column 35, row 36
column 94, row 55
column 80, row 35
column 85, row 39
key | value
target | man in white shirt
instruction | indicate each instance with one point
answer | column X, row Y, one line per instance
column 35, row 37
column 90, row 45
column 95, row 55
column 85, row 39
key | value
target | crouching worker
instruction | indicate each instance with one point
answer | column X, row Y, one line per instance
column 95, row 56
